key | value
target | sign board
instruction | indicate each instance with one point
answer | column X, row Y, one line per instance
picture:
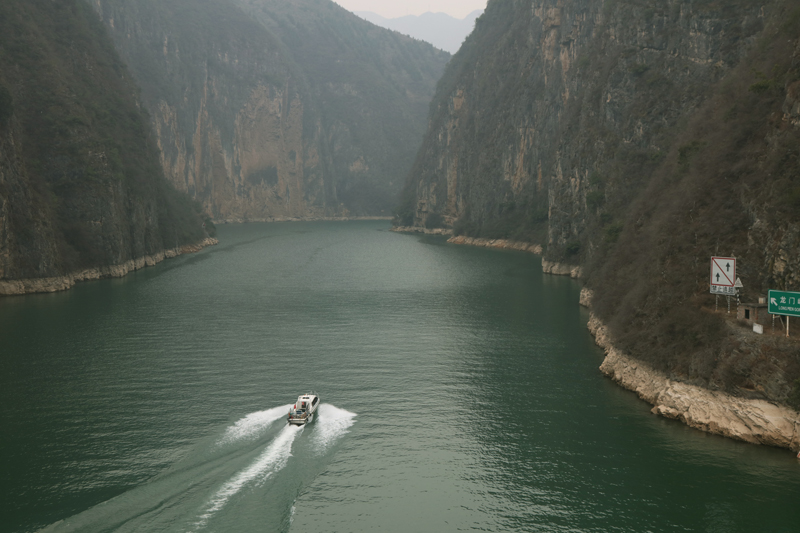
column 723, row 272
column 758, row 328
column 784, row 303
column 724, row 291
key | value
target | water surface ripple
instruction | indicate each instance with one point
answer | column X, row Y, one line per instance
column 460, row 389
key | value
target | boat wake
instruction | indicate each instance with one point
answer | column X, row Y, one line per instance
column 255, row 464
column 273, row 459
column 331, row 425
column 253, row 425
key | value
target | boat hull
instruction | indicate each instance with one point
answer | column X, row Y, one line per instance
column 301, row 421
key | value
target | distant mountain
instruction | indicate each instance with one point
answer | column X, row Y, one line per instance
column 439, row 29
column 268, row 109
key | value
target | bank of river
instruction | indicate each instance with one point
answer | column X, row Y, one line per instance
column 460, row 391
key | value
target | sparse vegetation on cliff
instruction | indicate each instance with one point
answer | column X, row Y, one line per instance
column 82, row 183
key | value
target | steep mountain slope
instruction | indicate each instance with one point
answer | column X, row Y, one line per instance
column 637, row 139
column 266, row 109
column 440, row 29
column 80, row 181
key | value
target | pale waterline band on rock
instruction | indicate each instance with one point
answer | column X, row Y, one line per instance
column 719, row 413
column 62, row 283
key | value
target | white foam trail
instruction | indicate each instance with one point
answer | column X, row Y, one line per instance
column 253, row 424
column 270, row 461
column 331, row 423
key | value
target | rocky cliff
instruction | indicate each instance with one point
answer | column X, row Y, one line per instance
column 634, row 139
column 270, row 109
column 80, row 182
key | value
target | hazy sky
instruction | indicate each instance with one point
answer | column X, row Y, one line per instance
column 398, row 8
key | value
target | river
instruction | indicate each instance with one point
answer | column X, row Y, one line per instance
column 460, row 391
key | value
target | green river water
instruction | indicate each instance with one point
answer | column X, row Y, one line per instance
column 460, row 390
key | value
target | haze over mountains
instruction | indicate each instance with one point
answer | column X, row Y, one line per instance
column 440, row 29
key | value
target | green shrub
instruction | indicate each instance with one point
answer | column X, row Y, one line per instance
column 434, row 220
column 6, row 106
column 595, row 199
column 794, row 396
column 573, row 248
column 613, row 232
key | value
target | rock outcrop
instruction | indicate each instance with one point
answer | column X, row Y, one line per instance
column 561, row 269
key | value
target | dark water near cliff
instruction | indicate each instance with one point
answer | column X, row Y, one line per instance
column 460, row 391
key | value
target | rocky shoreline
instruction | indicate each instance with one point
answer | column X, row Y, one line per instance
column 561, row 269
column 62, row 283
column 749, row 420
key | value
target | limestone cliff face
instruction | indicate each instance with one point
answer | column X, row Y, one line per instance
column 549, row 104
column 266, row 109
column 257, row 175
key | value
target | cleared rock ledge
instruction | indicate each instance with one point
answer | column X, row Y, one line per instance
column 504, row 244
column 754, row 421
column 426, row 231
column 62, row 283
column 561, row 269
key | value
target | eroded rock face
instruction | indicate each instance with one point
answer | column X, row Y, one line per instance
column 750, row 420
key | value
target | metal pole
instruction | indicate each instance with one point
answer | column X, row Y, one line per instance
column 716, row 304
column 729, row 305
column 787, row 325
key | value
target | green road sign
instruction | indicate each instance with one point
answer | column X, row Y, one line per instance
column 784, row 303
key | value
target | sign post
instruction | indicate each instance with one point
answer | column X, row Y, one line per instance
column 784, row 303
column 723, row 277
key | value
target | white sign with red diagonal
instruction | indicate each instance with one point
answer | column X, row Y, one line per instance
column 723, row 275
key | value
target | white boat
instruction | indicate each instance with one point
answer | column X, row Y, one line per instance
column 303, row 411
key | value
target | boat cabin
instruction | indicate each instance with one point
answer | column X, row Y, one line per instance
column 306, row 402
